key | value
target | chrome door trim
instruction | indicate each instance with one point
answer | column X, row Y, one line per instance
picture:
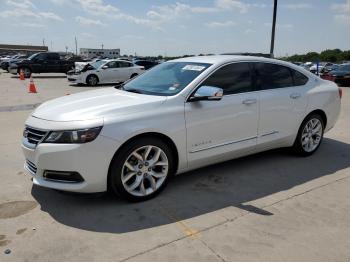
column 223, row 144
column 269, row 133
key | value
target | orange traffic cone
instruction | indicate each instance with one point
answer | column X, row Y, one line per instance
column 21, row 74
column 31, row 87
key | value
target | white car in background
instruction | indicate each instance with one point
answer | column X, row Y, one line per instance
column 80, row 65
column 105, row 72
column 177, row 116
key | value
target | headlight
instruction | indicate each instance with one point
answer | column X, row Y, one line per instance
column 73, row 137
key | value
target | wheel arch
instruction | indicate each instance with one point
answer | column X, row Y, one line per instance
column 315, row 111
column 133, row 75
column 166, row 139
column 321, row 113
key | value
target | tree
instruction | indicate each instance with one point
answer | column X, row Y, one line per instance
column 331, row 55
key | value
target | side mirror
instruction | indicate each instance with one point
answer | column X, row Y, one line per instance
column 104, row 67
column 209, row 93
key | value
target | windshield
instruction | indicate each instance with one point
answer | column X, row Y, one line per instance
column 97, row 64
column 166, row 79
column 32, row 56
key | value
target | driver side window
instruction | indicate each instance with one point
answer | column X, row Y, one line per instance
column 233, row 79
column 112, row 64
column 41, row 56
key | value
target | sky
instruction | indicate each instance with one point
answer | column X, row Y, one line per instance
column 177, row 27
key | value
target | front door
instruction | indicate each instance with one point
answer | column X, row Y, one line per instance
column 53, row 63
column 220, row 130
column 110, row 74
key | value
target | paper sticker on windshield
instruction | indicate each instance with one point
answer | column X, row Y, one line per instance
column 193, row 68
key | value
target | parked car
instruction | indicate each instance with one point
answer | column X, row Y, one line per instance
column 178, row 116
column 48, row 62
column 322, row 67
column 6, row 58
column 340, row 75
column 6, row 64
column 105, row 71
column 145, row 63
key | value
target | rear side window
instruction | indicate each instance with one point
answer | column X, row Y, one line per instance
column 124, row 64
column 272, row 76
column 53, row 56
column 299, row 78
column 234, row 78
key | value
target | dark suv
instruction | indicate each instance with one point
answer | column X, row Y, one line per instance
column 47, row 62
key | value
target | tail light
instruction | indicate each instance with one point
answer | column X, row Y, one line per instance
column 340, row 92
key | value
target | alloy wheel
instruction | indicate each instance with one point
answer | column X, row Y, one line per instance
column 145, row 170
column 312, row 135
column 92, row 80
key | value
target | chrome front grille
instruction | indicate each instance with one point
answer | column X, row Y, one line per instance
column 31, row 167
column 33, row 135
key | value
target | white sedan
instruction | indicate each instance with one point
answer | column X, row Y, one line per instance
column 178, row 116
column 105, row 72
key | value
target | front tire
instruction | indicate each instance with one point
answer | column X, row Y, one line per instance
column 310, row 135
column 92, row 80
column 26, row 71
column 141, row 169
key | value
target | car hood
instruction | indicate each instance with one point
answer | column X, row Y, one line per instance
column 96, row 104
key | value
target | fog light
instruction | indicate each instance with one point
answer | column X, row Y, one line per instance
column 63, row 176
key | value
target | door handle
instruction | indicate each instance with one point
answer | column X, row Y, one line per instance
column 249, row 101
column 295, row 95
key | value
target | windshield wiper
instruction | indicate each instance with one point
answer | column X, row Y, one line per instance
column 133, row 90
column 119, row 86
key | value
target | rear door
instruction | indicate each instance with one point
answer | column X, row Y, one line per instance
column 126, row 70
column 283, row 103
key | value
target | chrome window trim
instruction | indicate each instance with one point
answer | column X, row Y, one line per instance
column 254, row 91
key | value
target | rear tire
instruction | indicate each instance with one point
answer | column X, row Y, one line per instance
column 136, row 175
column 310, row 135
column 92, row 80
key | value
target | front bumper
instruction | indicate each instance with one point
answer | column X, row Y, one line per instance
column 75, row 78
column 90, row 160
column 13, row 70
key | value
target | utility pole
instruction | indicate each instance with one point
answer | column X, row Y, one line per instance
column 272, row 48
column 66, row 49
column 43, row 41
column 76, row 45
column 102, row 46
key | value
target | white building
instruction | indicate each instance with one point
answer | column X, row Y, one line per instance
column 92, row 53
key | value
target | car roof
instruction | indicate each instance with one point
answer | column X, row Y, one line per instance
column 217, row 60
column 222, row 59
column 113, row 60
